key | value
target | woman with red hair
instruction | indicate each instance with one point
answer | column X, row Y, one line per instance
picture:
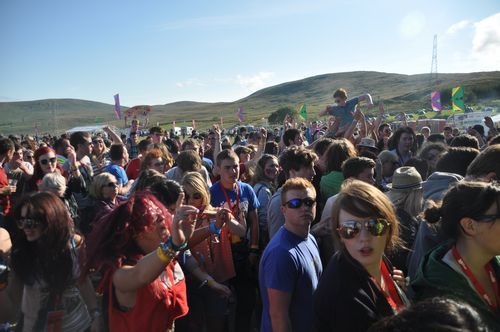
column 134, row 248
column 45, row 162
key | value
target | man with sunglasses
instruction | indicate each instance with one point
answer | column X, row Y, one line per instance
column 296, row 162
column 290, row 266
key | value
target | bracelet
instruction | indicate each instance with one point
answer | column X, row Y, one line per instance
column 171, row 244
column 165, row 257
column 214, row 229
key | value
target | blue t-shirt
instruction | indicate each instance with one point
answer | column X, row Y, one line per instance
column 344, row 113
column 118, row 172
column 290, row 264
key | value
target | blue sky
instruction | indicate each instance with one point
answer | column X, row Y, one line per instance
column 156, row 52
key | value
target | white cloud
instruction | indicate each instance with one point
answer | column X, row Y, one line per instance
column 412, row 25
column 486, row 41
column 458, row 26
column 255, row 82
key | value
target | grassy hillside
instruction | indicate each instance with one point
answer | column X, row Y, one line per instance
column 399, row 93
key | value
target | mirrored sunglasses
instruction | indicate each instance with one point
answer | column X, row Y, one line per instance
column 351, row 228
column 298, row 202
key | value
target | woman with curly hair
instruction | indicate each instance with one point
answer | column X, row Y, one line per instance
column 134, row 248
column 45, row 257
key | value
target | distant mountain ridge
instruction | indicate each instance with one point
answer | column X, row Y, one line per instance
column 398, row 91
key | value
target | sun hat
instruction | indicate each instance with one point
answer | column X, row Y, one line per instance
column 368, row 142
column 405, row 178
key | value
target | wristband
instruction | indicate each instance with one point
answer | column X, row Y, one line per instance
column 171, row 244
column 214, row 229
column 165, row 257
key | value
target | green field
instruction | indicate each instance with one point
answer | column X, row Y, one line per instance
column 407, row 93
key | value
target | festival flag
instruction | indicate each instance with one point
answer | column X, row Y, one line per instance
column 194, row 124
column 303, row 112
column 241, row 116
column 118, row 110
column 436, row 101
column 457, row 99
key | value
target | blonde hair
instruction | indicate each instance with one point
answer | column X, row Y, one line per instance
column 366, row 201
column 193, row 182
column 411, row 201
column 98, row 182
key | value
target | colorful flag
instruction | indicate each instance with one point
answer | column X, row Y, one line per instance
column 194, row 124
column 303, row 112
column 118, row 109
column 436, row 101
column 241, row 116
column 457, row 99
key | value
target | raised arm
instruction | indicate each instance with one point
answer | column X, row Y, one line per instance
column 368, row 98
column 114, row 136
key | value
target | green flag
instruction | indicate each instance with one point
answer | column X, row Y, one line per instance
column 303, row 112
column 457, row 99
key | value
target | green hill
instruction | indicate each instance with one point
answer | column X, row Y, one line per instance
column 399, row 93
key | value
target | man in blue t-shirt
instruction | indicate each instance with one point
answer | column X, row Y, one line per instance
column 119, row 158
column 344, row 110
column 290, row 267
column 240, row 199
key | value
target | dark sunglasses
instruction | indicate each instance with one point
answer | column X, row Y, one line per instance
column 27, row 223
column 111, row 184
column 298, row 202
column 351, row 228
column 46, row 161
column 194, row 196
column 337, row 101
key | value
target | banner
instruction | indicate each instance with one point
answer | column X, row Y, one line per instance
column 118, row 110
column 194, row 124
column 241, row 116
column 457, row 99
column 436, row 101
column 303, row 112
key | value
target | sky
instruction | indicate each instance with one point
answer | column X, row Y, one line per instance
column 157, row 52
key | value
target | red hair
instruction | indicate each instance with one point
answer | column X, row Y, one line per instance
column 111, row 243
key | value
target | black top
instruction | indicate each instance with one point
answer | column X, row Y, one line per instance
column 346, row 298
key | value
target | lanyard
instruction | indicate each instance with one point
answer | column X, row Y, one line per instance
column 231, row 207
column 392, row 295
column 475, row 282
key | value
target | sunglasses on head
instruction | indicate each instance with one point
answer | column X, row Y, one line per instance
column 351, row 228
column 27, row 223
column 298, row 202
column 46, row 161
column 194, row 196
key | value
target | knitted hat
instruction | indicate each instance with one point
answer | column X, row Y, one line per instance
column 406, row 178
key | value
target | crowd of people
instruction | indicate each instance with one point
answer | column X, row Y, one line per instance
column 343, row 225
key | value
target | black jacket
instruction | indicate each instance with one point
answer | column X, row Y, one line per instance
column 346, row 298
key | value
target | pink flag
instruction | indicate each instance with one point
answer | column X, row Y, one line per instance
column 241, row 116
column 194, row 124
column 436, row 101
column 118, row 110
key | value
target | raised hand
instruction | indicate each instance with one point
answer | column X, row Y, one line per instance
column 183, row 223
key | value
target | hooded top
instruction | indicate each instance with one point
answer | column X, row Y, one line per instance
column 438, row 183
column 436, row 278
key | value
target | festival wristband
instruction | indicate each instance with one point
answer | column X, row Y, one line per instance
column 161, row 255
column 174, row 247
column 214, row 229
